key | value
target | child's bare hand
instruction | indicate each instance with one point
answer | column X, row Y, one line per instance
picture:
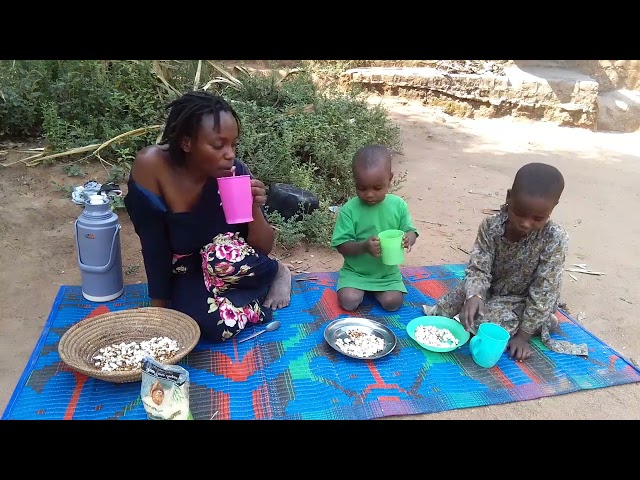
column 519, row 348
column 472, row 307
column 406, row 244
column 408, row 239
column 372, row 245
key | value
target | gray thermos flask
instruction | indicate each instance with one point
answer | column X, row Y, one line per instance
column 97, row 234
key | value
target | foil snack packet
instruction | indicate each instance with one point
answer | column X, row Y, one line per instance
column 165, row 391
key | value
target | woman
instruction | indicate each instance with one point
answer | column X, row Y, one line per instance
column 196, row 263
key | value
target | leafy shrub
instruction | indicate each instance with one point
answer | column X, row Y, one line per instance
column 304, row 136
column 74, row 103
column 292, row 130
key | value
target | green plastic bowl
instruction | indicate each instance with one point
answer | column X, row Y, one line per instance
column 450, row 324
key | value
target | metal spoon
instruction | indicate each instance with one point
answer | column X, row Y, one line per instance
column 271, row 326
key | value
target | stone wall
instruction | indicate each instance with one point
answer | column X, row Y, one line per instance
column 595, row 94
column 545, row 95
column 610, row 74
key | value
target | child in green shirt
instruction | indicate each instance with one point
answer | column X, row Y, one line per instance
column 355, row 234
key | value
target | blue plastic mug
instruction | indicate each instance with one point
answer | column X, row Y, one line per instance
column 489, row 344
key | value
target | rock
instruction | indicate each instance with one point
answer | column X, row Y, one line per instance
column 286, row 200
column 619, row 111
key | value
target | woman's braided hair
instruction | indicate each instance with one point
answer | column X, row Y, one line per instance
column 184, row 119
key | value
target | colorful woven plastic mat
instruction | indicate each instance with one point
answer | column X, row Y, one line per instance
column 292, row 373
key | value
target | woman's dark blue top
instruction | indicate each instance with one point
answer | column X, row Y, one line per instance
column 164, row 233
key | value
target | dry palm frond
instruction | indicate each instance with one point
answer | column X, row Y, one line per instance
column 157, row 69
column 23, row 160
column 237, row 85
column 196, row 80
column 94, row 149
column 36, row 159
column 242, row 69
column 283, row 74
column 226, row 78
column 224, row 72
column 290, row 72
column 137, row 131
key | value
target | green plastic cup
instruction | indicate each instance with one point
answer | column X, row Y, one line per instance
column 391, row 246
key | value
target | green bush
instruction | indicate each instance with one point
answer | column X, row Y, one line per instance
column 292, row 131
column 74, row 103
column 312, row 147
column 21, row 87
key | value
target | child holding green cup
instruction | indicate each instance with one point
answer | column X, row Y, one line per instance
column 392, row 246
column 372, row 232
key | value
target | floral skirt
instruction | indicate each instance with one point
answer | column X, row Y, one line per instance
column 224, row 289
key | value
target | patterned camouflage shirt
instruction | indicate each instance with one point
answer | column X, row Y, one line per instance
column 530, row 268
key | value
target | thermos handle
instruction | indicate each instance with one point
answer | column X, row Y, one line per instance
column 92, row 268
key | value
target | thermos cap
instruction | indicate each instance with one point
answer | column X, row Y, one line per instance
column 96, row 199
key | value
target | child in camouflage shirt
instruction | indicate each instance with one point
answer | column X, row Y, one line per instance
column 515, row 268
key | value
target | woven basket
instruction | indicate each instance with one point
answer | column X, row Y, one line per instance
column 83, row 340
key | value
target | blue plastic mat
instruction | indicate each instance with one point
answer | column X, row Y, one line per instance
column 292, row 373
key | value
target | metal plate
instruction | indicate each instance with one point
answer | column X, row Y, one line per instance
column 338, row 329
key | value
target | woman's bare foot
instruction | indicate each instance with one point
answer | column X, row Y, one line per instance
column 279, row 294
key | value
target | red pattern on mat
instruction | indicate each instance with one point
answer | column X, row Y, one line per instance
column 431, row 288
column 380, row 383
column 329, row 307
column 236, row 370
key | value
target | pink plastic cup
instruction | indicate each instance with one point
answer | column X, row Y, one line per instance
column 237, row 201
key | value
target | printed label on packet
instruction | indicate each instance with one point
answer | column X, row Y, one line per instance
column 165, row 391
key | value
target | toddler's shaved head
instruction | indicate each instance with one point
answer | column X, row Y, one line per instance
column 371, row 156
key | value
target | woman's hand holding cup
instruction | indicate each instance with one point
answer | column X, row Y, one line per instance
column 258, row 191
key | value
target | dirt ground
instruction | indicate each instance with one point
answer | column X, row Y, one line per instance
column 456, row 168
